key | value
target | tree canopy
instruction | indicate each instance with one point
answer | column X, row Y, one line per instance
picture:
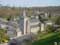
column 3, row 36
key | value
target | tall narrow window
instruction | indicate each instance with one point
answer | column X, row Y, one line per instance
column 26, row 27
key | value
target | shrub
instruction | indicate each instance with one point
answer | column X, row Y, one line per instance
column 49, row 28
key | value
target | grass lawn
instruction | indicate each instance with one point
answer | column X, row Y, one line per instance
column 48, row 39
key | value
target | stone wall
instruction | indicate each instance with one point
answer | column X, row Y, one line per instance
column 4, row 44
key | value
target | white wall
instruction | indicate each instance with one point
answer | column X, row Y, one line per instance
column 35, row 30
column 42, row 27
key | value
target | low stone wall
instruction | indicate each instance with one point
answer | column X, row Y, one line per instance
column 4, row 44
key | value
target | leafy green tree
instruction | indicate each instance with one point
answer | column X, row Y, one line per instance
column 56, row 20
column 3, row 36
column 41, row 19
column 50, row 28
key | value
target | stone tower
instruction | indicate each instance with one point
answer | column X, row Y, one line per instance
column 24, row 23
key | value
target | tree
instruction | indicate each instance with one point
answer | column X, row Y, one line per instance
column 9, row 18
column 50, row 28
column 56, row 20
column 41, row 19
column 3, row 36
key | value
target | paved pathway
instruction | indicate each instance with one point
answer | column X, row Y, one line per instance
column 21, row 40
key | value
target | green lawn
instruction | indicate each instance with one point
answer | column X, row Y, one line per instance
column 48, row 39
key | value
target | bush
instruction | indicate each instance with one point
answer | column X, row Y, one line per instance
column 3, row 36
column 49, row 28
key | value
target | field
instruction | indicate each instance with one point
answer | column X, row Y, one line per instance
column 48, row 39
